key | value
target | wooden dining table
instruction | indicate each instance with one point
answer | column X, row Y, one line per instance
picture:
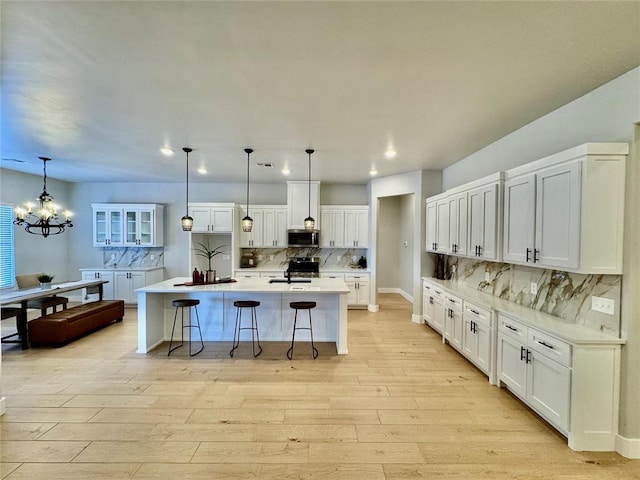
column 23, row 296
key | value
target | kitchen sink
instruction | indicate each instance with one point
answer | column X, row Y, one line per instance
column 293, row 280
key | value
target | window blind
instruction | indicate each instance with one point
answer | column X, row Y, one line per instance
column 7, row 248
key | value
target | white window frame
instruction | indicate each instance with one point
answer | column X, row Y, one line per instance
column 7, row 247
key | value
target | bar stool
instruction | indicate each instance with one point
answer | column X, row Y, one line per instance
column 302, row 306
column 182, row 304
column 252, row 304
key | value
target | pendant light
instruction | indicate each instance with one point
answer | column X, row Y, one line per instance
column 309, row 222
column 45, row 222
column 247, row 221
column 187, row 221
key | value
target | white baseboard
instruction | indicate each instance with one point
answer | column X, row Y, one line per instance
column 417, row 318
column 628, row 447
column 399, row 291
column 3, row 407
column 373, row 308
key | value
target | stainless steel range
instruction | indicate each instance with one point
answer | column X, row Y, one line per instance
column 304, row 267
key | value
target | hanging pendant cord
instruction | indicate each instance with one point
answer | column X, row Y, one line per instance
column 187, row 150
column 309, row 182
column 44, row 169
column 248, row 154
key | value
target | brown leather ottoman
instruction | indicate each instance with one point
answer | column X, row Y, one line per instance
column 61, row 327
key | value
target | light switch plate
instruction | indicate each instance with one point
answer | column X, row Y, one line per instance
column 534, row 288
column 604, row 305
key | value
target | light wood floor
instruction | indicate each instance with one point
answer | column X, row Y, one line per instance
column 399, row 405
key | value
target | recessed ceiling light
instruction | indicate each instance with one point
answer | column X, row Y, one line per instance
column 202, row 170
column 286, row 171
column 390, row 153
column 166, row 151
column 373, row 172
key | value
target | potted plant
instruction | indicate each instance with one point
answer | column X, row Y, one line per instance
column 45, row 281
column 205, row 250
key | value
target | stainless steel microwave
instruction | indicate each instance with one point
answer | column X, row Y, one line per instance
column 303, row 238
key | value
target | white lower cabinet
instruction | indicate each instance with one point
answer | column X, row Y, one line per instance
column 358, row 289
column 453, row 321
column 536, row 367
column 123, row 283
column 477, row 338
column 107, row 288
column 248, row 273
column 566, row 373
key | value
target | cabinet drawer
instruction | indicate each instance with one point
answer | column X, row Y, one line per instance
column 550, row 347
column 437, row 292
column 350, row 277
column 513, row 329
column 477, row 314
column 453, row 302
column 332, row 275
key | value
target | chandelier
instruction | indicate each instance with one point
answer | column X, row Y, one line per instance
column 46, row 221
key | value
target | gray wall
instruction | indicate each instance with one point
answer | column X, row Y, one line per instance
column 33, row 252
column 388, row 231
column 407, row 234
column 607, row 114
column 64, row 254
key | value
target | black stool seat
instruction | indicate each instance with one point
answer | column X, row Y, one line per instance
column 255, row 338
column 302, row 305
column 246, row 303
column 185, row 302
column 181, row 304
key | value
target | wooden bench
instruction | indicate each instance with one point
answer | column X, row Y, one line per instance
column 59, row 328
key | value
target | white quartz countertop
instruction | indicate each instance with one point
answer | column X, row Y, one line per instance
column 322, row 270
column 317, row 285
column 571, row 332
column 121, row 269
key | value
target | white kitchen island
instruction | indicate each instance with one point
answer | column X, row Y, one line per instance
column 217, row 313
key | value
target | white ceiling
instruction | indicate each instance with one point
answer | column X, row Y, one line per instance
column 100, row 86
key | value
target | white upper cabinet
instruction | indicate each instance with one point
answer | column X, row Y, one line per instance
column 458, row 233
column 356, row 227
column 269, row 227
column 274, row 233
column 127, row 225
column 483, row 221
column 344, row 226
column 566, row 211
column 300, row 204
column 437, row 233
column 212, row 217
column 332, row 221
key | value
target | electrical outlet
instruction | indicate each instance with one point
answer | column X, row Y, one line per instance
column 454, row 268
column 113, row 256
column 534, row 288
column 152, row 256
column 604, row 305
column 487, row 277
column 259, row 257
column 271, row 257
column 338, row 258
column 354, row 258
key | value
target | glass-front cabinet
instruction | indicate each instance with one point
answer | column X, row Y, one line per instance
column 107, row 227
column 127, row 225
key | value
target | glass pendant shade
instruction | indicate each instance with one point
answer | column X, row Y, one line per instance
column 187, row 223
column 309, row 224
column 247, row 224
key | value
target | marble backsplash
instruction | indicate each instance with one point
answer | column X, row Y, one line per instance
column 278, row 258
column 128, row 257
column 561, row 294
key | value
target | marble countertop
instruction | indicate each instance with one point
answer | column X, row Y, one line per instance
column 261, row 285
column 322, row 270
column 121, row 269
column 570, row 332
